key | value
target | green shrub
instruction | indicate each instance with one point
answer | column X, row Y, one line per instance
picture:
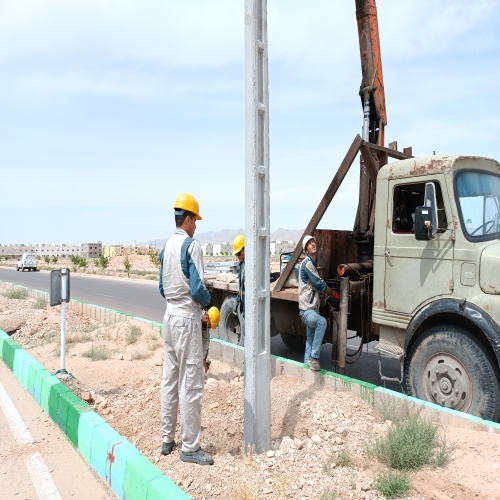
column 98, row 353
column 46, row 259
column 19, row 294
column 40, row 303
column 133, row 334
column 393, row 484
column 55, row 259
column 138, row 355
column 408, row 445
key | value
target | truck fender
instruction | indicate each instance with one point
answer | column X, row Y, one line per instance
column 457, row 307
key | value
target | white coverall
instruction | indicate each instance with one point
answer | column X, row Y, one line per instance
column 181, row 283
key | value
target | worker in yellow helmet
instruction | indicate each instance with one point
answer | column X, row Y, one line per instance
column 181, row 283
column 239, row 251
column 210, row 320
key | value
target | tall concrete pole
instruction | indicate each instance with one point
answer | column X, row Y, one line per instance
column 257, row 413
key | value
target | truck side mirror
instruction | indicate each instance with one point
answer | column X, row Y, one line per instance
column 426, row 217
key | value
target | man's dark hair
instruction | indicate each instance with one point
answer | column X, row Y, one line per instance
column 179, row 219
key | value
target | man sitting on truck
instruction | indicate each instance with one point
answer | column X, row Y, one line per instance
column 310, row 286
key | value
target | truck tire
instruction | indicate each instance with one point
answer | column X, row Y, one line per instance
column 293, row 342
column 230, row 323
column 448, row 366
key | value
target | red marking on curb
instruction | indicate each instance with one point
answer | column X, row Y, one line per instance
column 111, row 459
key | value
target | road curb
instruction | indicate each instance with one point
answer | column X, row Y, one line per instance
column 376, row 396
column 131, row 475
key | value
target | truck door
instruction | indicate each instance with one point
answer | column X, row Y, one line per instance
column 416, row 270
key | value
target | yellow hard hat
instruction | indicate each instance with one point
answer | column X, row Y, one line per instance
column 186, row 201
column 214, row 316
column 238, row 244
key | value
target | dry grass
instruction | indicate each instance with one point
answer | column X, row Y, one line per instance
column 244, row 491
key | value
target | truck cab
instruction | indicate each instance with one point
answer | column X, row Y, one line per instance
column 436, row 297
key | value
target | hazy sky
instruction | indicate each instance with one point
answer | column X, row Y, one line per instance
column 109, row 109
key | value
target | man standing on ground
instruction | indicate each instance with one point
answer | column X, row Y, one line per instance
column 310, row 286
column 181, row 283
column 239, row 251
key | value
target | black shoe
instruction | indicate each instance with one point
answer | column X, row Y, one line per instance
column 197, row 457
column 166, row 448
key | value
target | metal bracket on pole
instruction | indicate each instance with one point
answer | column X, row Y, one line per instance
column 257, row 408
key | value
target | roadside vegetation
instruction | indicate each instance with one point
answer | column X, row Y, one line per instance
column 16, row 294
column 40, row 303
column 411, row 443
column 133, row 334
column 98, row 353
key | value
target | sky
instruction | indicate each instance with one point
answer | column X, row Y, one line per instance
column 111, row 108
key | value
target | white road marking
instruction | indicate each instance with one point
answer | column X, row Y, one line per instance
column 41, row 478
column 43, row 483
column 14, row 419
column 103, row 295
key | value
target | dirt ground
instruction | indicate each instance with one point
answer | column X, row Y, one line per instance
column 310, row 424
column 142, row 266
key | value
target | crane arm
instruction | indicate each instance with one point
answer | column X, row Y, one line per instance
column 372, row 83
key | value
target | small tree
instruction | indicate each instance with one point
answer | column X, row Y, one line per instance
column 155, row 259
column 83, row 263
column 127, row 265
column 47, row 259
column 103, row 262
column 75, row 260
column 54, row 259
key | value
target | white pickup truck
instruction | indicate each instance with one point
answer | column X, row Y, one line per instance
column 27, row 261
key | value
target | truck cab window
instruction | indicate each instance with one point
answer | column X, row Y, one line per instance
column 479, row 202
column 407, row 197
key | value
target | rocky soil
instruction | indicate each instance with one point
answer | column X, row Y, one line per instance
column 319, row 437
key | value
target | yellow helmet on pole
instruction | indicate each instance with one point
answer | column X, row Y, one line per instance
column 186, row 201
column 214, row 317
column 238, row 244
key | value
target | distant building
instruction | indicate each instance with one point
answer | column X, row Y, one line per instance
column 223, row 248
column 87, row 250
column 207, row 249
column 279, row 247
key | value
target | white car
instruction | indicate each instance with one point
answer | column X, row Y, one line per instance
column 27, row 261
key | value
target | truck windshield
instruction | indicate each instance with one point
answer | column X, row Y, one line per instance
column 479, row 203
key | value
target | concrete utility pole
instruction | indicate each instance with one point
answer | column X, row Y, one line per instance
column 257, row 425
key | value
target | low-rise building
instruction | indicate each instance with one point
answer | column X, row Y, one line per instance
column 280, row 247
column 223, row 248
column 207, row 249
column 87, row 250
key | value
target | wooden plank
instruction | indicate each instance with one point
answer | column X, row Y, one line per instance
column 390, row 152
column 370, row 167
column 322, row 207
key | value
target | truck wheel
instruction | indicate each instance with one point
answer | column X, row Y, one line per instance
column 23, row 269
column 229, row 325
column 293, row 342
column 448, row 366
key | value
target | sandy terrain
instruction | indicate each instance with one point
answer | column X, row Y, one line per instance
column 310, row 424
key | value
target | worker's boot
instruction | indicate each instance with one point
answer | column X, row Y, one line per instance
column 314, row 364
column 197, row 457
column 166, row 448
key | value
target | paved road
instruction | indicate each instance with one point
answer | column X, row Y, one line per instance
column 36, row 459
column 141, row 298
